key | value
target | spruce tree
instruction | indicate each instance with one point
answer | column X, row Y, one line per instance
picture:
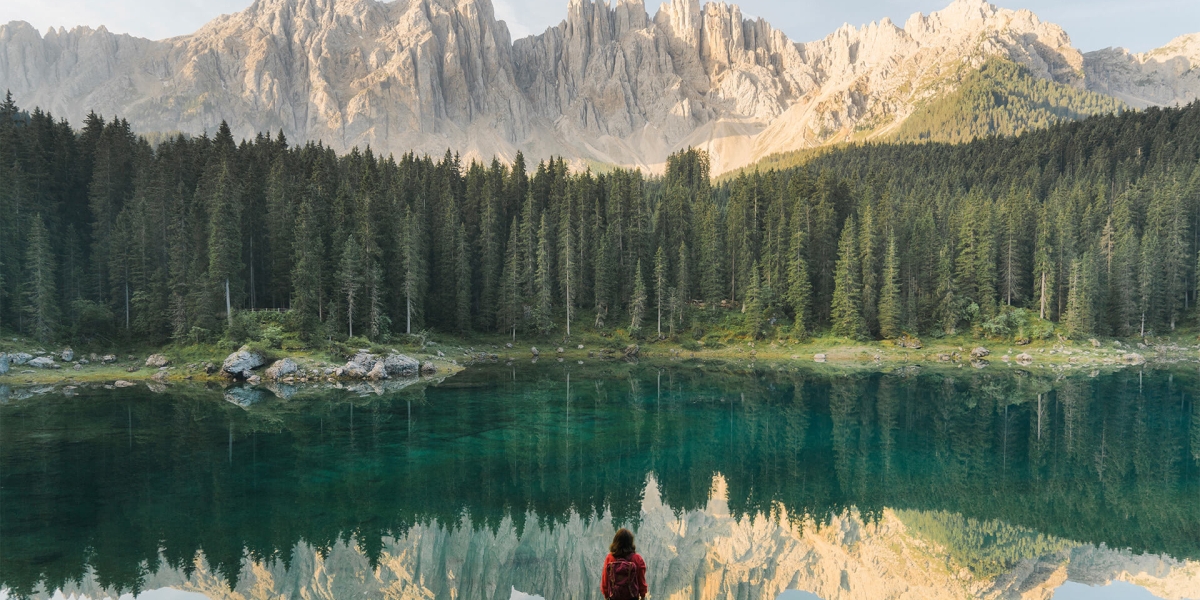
column 510, row 283
column 41, row 296
column 754, row 304
column 412, row 257
column 846, row 309
column 544, row 287
column 799, row 286
column 637, row 303
column 350, row 276
column 683, row 286
column 224, row 235
column 660, row 286
column 889, row 295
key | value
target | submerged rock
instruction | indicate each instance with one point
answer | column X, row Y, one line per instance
column 242, row 362
column 4, row 364
column 121, row 384
column 820, row 358
column 632, row 351
column 1024, row 359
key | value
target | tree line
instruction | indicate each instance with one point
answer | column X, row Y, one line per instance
column 1092, row 224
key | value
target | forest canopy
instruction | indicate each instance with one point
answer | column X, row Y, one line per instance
column 1092, row 224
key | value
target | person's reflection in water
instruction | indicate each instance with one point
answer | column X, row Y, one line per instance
column 624, row 575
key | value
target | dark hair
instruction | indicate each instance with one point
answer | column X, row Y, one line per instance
column 622, row 544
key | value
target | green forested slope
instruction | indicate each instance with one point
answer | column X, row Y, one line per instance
column 1092, row 224
column 1001, row 98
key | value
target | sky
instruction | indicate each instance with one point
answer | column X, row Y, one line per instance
column 1139, row 25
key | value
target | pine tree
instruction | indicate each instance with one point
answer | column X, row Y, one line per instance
column 754, row 304
column 889, row 295
column 309, row 264
column 412, row 256
column 350, row 276
column 1079, row 321
column 637, row 303
column 660, row 285
column 799, row 290
column 949, row 310
column 225, row 235
column 41, row 296
column 510, row 283
column 462, row 281
column 846, row 309
column 683, row 286
column 543, row 310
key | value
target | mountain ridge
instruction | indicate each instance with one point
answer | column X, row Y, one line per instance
column 611, row 83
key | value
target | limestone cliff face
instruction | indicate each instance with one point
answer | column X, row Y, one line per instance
column 611, row 83
column 701, row 554
column 1166, row 76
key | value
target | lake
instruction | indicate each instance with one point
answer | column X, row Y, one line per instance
column 507, row 480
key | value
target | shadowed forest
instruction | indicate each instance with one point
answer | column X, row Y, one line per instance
column 1091, row 227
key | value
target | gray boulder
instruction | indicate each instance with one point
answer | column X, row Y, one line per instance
column 4, row 364
column 242, row 362
column 282, row 368
column 378, row 372
column 43, row 362
column 67, row 355
column 19, row 358
column 399, row 365
column 980, row 352
column 108, row 359
column 363, row 361
column 428, row 369
column 157, row 361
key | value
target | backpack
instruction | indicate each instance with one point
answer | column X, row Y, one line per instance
column 622, row 580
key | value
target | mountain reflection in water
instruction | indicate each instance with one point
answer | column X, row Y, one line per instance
column 737, row 485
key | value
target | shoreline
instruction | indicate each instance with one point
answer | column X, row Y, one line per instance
column 455, row 355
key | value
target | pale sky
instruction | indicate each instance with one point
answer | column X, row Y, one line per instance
column 1135, row 24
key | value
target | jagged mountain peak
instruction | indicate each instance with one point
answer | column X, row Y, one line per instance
column 609, row 84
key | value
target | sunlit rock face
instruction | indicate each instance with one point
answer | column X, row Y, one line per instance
column 705, row 554
column 610, row 84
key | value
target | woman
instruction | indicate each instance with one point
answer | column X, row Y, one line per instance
column 624, row 575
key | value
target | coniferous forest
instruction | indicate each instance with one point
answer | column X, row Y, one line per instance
column 1092, row 225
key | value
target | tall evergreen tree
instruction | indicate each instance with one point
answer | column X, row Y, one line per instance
column 889, row 295
column 41, row 297
column 637, row 303
column 350, row 277
column 224, row 235
column 846, row 309
column 799, row 290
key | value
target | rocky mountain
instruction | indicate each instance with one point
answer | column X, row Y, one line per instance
column 610, row 84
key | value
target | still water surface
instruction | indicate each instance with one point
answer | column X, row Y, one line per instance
column 506, row 480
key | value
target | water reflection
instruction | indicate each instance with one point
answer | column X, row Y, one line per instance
column 739, row 485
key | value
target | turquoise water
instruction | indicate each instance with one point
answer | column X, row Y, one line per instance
column 513, row 477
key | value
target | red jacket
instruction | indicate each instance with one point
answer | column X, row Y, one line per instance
column 643, row 590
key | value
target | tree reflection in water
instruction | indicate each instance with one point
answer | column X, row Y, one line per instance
column 121, row 489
